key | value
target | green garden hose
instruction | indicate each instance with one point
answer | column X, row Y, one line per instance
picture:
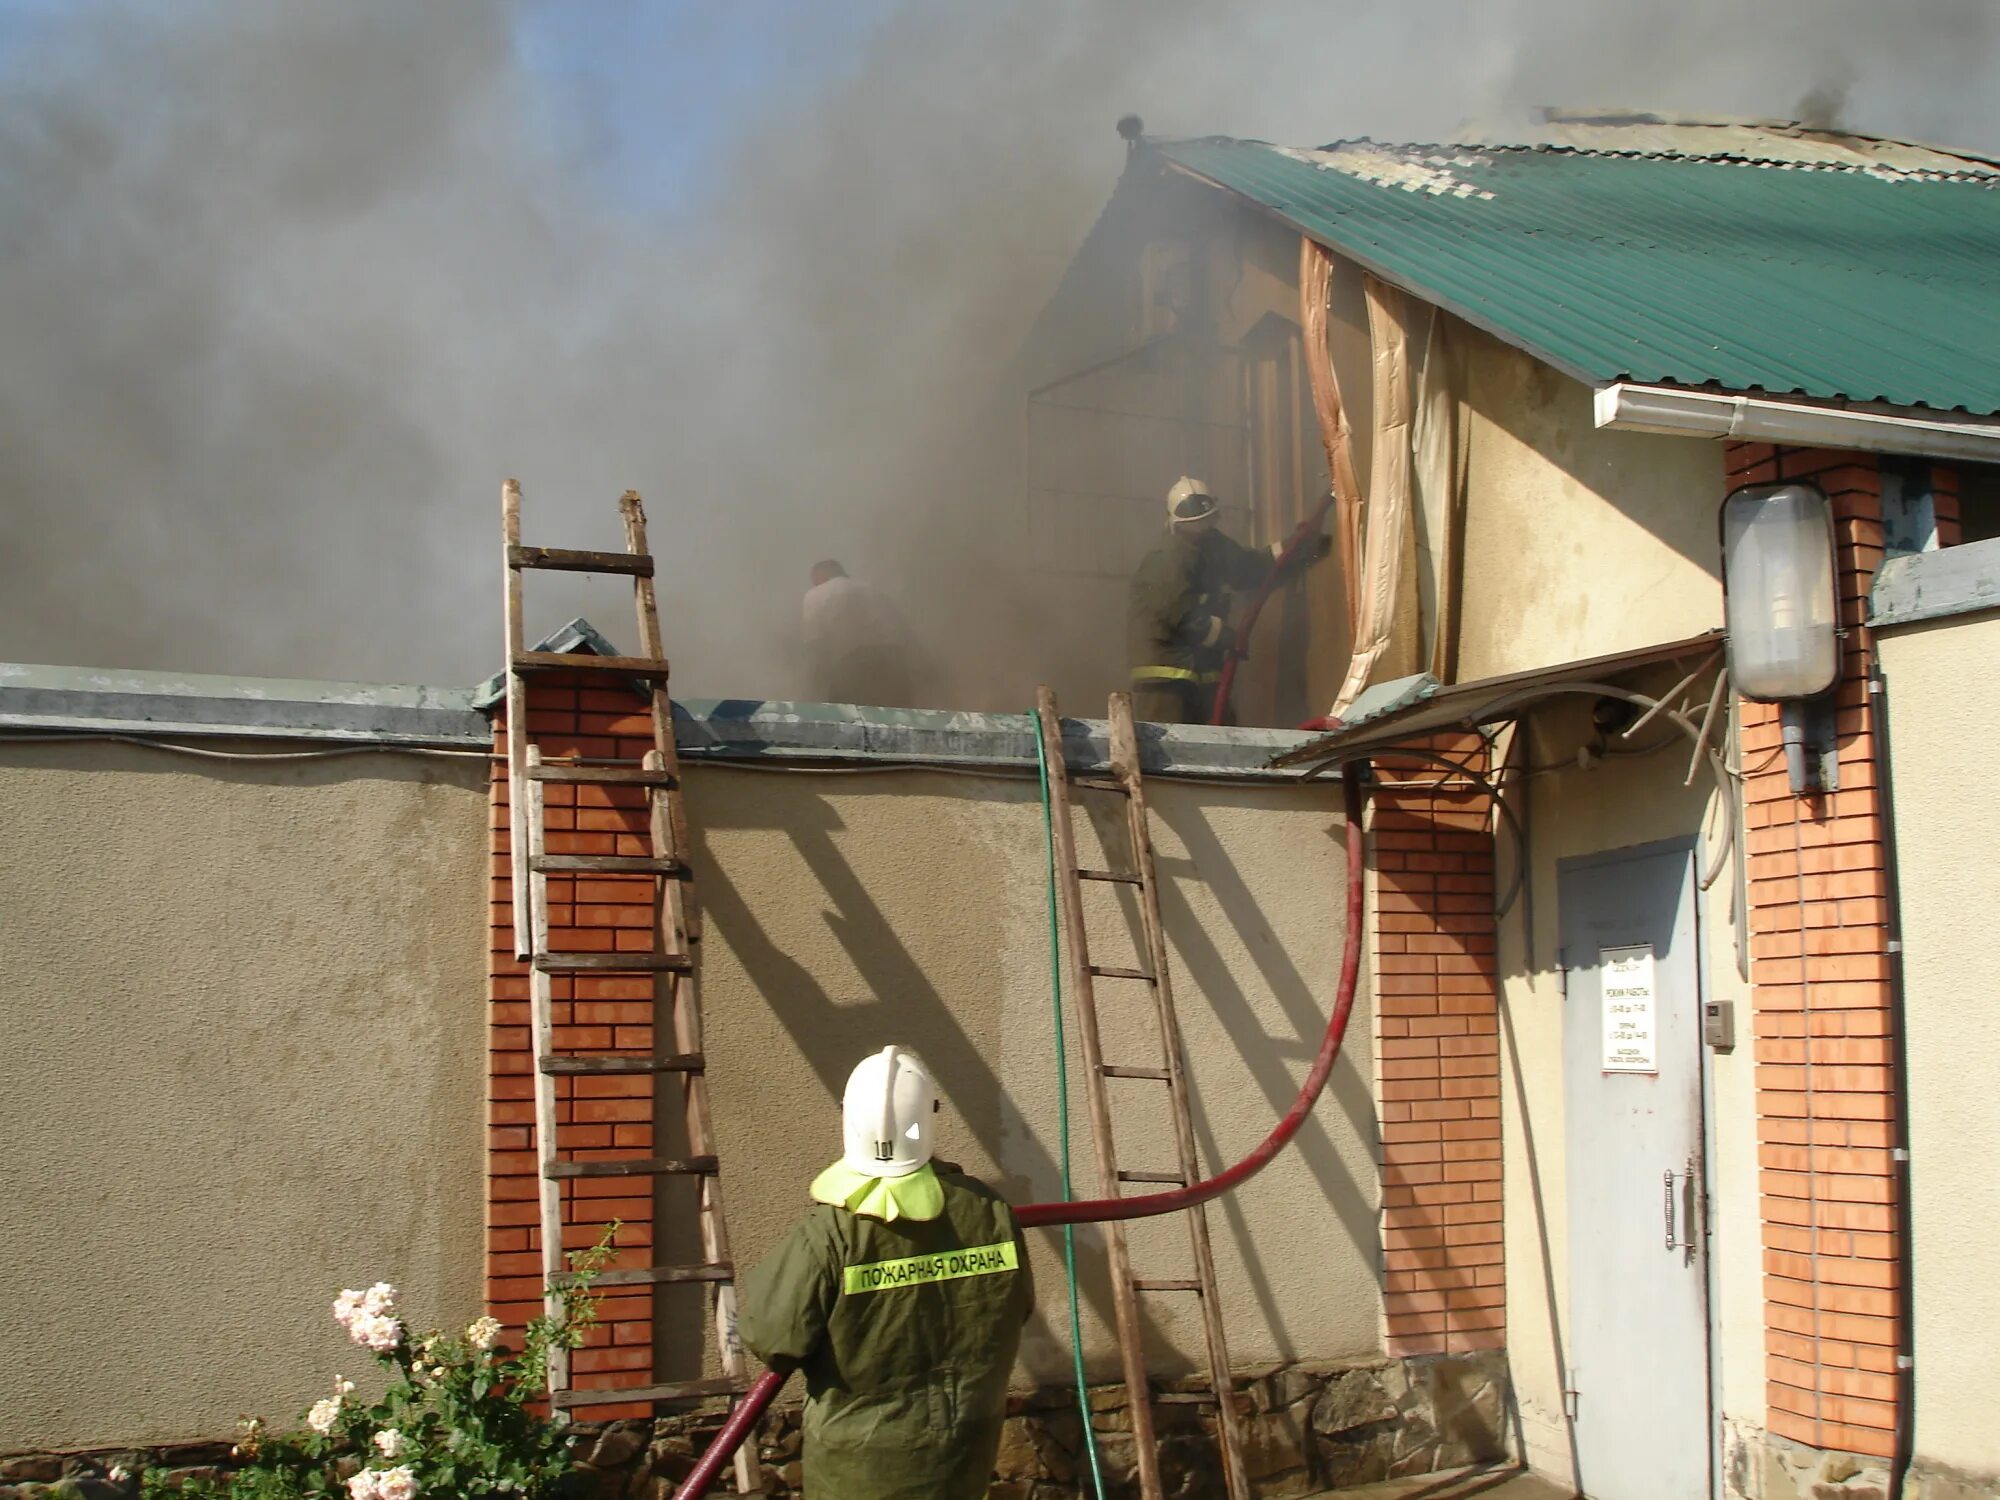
column 1062, row 1107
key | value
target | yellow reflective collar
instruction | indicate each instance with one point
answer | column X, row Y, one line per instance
column 919, row 1196
column 1172, row 674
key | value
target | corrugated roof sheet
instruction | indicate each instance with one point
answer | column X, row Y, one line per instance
column 1845, row 275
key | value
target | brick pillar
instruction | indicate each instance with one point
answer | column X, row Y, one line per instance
column 600, row 1117
column 1438, row 1058
column 1826, row 1102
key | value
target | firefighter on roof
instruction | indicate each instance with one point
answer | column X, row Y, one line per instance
column 901, row 1295
column 1177, row 617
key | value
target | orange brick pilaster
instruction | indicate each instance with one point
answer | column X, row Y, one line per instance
column 1824, row 1020
column 1437, row 1055
column 600, row 1117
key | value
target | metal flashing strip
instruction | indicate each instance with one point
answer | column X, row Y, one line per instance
column 722, row 730
column 54, row 699
column 578, row 635
column 1920, row 586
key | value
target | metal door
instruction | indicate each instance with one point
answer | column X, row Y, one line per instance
column 1638, row 1272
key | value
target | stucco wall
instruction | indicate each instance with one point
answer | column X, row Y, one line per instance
column 1578, row 542
column 1943, row 722
column 1618, row 803
column 242, row 1069
column 846, row 912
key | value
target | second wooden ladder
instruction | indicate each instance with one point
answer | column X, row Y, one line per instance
column 1167, row 1071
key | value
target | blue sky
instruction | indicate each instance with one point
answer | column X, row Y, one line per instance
column 649, row 93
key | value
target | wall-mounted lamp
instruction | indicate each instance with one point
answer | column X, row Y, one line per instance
column 1783, row 616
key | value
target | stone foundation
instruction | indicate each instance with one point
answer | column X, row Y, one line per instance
column 1760, row 1465
column 1307, row 1427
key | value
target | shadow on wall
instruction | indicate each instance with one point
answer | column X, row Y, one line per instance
column 830, row 1035
column 1275, row 1062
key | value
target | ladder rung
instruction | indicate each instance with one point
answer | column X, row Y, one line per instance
column 1105, row 971
column 635, row 1166
column 556, row 963
column 1099, row 784
column 607, row 864
column 1173, row 1178
column 1185, row 1398
column 1160, row 1074
column 603, row 775
column 566, row 560
column 685, row 1062
column 715, row 1270
column 1187, row 1284
column 651, row 668
column 673, row 1390
column 1116, row 877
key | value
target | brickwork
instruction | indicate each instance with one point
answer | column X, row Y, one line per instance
column 1826, row 1102
column 1438, row 1059
column 599, row 1117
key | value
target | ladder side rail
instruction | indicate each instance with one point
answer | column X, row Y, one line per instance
column 541, row 1017
column 1125, row 766
column 686, row 909
column 1124, row 1294
column 678, row 929
column 517, row 715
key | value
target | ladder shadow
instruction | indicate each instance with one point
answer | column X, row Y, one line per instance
column 1274, row 1063
column 831, row 1036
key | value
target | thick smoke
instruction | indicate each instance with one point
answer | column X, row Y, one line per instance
column 287, row 288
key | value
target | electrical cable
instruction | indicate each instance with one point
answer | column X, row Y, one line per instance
column 1062, row 1116
column 151, row 743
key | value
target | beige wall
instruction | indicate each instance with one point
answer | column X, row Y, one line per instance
column 1577, row 542
column 1620, row 802
column 243, row 1068
column 1943, row 723
column 846, row 912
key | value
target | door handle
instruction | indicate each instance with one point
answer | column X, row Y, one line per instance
column 1686, row 1238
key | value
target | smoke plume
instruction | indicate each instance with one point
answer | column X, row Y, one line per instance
column 286, row 289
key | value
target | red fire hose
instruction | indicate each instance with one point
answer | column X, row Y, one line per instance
column 1239, row 646
column 1097, row 1210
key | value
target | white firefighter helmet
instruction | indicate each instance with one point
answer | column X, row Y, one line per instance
column 886, row 1114
column 1190, row 500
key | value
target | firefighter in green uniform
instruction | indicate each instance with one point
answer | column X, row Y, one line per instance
column 901, row 1296
column 1177, row 617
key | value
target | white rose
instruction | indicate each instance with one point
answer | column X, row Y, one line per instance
column 396, row 1484
column 389, row 1443
column 323, row 1415
column 119, row 1474
column 362, row 1486
column 483, row 1333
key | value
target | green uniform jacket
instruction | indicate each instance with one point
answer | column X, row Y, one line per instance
column 1177, row 611
column 906, row 1333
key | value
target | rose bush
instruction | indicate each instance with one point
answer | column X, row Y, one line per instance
column 454, row 1420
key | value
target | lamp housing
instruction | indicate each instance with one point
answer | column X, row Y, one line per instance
column 1778, row 591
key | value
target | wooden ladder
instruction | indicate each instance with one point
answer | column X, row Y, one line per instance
column 664, row 877
column 1170, row 1070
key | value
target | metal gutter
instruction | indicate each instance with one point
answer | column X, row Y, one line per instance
column 1626, row 406
column 1918, row 586
column 94, row 700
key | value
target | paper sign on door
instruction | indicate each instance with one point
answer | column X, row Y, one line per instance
column 1625, row 977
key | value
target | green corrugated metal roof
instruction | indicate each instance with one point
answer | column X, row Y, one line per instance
column 1863, row 284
